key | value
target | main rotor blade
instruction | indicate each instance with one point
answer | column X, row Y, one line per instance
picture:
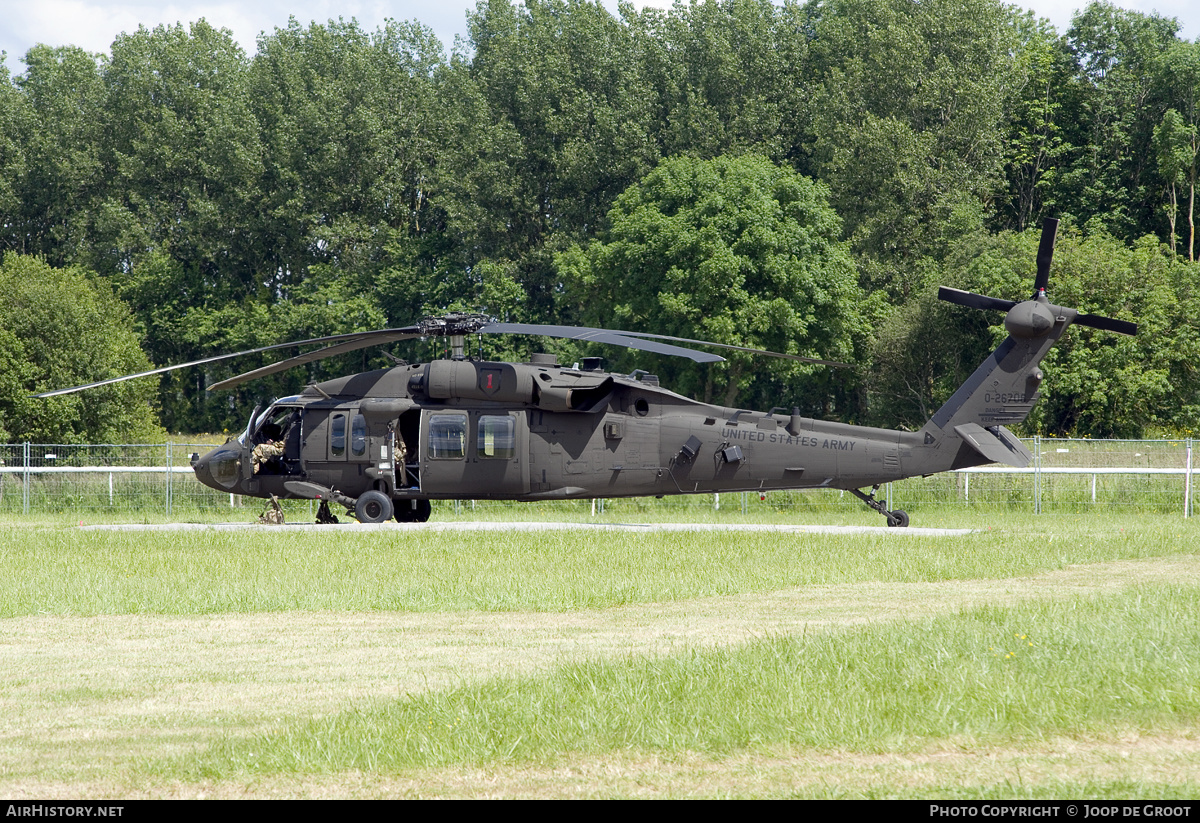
column 411, row 331
column 1045, row 254
column 1107, row 323
column 612, row 338
column 833, row 363
column 354, row 341
column 361, row 341
column 629, row 339
column 972, row 300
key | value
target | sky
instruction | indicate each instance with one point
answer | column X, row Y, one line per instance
column 93, row 24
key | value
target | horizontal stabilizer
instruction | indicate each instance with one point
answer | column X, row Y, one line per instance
column 307, row 491
column 997, row 444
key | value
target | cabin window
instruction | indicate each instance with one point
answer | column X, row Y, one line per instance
column 337, row 435
column 447, row 436
column 358, row 435
column 497, row 437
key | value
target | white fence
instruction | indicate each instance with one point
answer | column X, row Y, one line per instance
column 53, row 478
column 1066, row 475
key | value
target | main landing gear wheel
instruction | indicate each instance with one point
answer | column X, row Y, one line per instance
column 413, row 511
column 897, row 519
column 373, row 507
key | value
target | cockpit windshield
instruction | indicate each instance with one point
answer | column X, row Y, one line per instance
column 250, row 424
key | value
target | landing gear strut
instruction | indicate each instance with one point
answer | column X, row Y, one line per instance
column 897, row 518
column 324, row 515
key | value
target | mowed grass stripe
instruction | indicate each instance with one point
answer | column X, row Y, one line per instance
column 155, row 644
column 1094, row 667
column 72, row 572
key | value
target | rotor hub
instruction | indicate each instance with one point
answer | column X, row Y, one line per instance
column 451, row 325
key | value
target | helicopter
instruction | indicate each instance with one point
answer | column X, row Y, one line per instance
column 385, row 443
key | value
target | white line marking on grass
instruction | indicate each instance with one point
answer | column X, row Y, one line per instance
column 485, row 526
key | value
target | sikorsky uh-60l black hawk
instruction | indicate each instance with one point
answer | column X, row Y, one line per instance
column 385, row 443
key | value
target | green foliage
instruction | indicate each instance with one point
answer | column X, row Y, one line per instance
column 1176, row 140
column 184, row 154
column 735, row 250
column 724, row 77
column 1175, row 147
column 63, row 327
column 350, row 128
column 1036, row 140
column 14, row 120
column 340, row 179
column 909, row 121
column 15, row 373
column 1111, row 110
column 552, row 121
column 65, row 92
column 923, row 351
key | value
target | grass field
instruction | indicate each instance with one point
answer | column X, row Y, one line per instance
column 1050, row 656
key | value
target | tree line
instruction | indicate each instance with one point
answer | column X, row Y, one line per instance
column 795, row 176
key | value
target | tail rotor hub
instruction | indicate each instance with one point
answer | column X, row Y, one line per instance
column 1029, row 320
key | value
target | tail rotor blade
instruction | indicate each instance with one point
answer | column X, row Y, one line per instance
column 1107, row 323
column 1045, row 254
column 974, row 301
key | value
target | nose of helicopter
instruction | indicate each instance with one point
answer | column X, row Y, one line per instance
column 200, row 465
column 218, row 469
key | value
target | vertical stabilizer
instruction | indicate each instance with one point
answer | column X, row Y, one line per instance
column 969, row 429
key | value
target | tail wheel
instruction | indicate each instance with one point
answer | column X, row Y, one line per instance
column 897, row 519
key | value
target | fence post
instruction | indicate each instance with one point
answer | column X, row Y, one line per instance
column 169, row 467
column 25, row 477
column 1187, row 482
column 1037, row 474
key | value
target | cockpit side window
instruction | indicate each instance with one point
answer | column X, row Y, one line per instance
column 337, row 434
column 358, row 435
